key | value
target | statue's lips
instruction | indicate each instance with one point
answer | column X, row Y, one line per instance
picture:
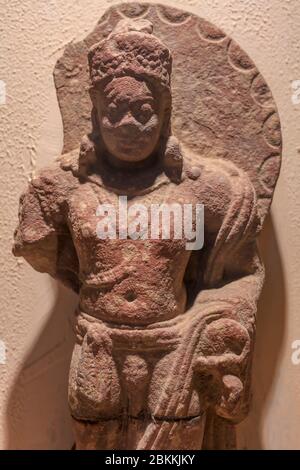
column 129, row 142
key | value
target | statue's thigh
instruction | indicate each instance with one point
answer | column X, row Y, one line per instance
column 164, row 386
column 94, row 388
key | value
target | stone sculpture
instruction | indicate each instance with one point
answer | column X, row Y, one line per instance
column 164, row 335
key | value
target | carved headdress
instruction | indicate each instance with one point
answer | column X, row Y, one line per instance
column 131, row 49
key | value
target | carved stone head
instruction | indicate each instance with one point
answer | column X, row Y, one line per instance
column 130, row 77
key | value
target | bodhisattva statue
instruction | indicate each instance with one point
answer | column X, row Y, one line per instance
column 164, row 335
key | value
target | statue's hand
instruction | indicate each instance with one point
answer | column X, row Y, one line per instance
column 222, row 366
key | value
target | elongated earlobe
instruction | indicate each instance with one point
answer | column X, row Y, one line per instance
column 87, row 155
column 173, row 160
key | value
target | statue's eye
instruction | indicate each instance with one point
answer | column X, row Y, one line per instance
column 144, row 112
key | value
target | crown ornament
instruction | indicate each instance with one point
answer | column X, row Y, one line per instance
column 131, row 49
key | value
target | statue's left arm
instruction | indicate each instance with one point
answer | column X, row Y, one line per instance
column 228, row 276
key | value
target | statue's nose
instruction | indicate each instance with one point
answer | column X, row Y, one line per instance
column 128, row 124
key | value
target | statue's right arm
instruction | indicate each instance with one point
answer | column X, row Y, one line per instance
column 35, row 239
column 42, row 237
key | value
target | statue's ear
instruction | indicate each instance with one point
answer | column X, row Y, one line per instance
column 173, row 159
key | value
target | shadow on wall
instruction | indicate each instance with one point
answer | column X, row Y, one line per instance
column 270, row 332
column 37, row 411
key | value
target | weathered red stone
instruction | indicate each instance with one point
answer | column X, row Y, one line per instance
column 164, row 335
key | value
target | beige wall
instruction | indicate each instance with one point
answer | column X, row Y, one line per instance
column 36, row 312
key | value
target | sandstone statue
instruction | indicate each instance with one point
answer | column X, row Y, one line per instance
column 164, row 334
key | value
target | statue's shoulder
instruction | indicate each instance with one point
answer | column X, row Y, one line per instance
column 223, row 189
column 69, row 162
column 53, row 180
column 211, row 176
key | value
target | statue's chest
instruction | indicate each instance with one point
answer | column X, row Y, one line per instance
column 101, row 221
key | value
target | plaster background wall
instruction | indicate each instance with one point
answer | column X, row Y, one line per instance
column 36, row 313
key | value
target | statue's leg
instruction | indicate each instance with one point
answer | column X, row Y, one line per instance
column 142, row 376
column 138, row 392
column 209, row 370
column 114, row 390
column 171, row 428
column 98, row 435
column 121, row 435
column 94, row 389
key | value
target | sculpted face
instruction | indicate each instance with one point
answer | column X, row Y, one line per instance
column 130, row 119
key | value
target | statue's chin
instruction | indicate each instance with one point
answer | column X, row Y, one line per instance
column 129, row 159
column 129, row 156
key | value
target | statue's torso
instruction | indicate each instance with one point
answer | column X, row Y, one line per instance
column 123, row 280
